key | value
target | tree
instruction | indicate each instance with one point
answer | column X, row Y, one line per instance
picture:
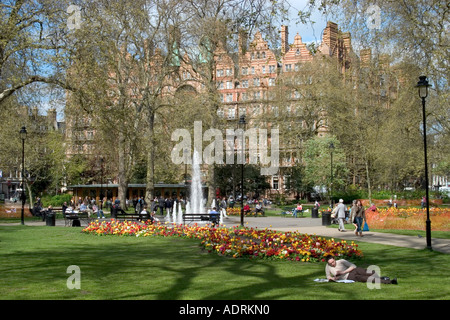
column 317, row 159
column 32, row 44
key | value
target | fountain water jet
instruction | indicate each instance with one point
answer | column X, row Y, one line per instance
column 196, row 199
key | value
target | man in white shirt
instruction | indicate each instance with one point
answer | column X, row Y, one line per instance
column 344, row 270
column 341, row 215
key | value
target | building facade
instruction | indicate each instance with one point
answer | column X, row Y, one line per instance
column 246, row 82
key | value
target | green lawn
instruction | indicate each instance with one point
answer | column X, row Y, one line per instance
column 34, row 261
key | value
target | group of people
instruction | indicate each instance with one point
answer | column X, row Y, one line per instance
column 357, row 215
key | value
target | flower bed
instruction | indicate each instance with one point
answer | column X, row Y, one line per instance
column 237, row 212
column 237, row 242
column 409, row 219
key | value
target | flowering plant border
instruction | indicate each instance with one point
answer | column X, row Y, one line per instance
column 237, row 242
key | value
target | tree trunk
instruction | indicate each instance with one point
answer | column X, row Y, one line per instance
column 150, row 188
column 122, row 176
column 369, row 186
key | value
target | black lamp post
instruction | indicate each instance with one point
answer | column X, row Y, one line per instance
column 185, row 153
column 101, row 184
column 331, row 180
column 23, row 136
column 423, row 85
column 242, row 126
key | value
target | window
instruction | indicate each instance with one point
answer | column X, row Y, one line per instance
column 229, row 84
column 288, row 67
column 229, row 72
column 242, row 111
column 253, row 70
column 220, row 72
column 229, row 97
column 275, row 111
column 271, row 82
column 231, row 113
column 263, row 54
column 256, row 82
column 257, row 95
column 286, row 182
column 220, row 113
column 244, row 70
column 244, row 83
column 220, row 85
column 263, row 69
column 272, row 69
column 275, row 182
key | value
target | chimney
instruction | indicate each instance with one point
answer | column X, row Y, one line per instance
column 365, row 57
column 330, row 37
column 347, row 40
column 284, row 40
column 34, row 113
column 51, row 116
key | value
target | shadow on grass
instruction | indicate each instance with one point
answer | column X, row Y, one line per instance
column 34, row 261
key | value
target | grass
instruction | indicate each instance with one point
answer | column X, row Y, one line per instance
column 34, row 261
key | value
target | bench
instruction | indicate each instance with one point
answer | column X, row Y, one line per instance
column 131, row 216
column 191, row 217
column 73, row 219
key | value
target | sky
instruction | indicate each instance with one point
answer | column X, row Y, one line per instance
column 307, row 32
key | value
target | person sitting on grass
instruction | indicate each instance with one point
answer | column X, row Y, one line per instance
column 343, row 270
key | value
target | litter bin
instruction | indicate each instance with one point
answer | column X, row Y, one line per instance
column 50, row 219
column 315, row 213
column 326, row 218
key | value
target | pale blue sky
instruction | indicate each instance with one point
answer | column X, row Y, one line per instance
column 307, row 32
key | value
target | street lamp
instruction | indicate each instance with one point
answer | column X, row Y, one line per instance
column 242, row 126
column 101, row 185
column 423, row 85
column 186, row 155
column 331, row 147
column 23, row 136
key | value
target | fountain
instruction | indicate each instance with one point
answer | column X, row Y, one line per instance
column 180, row 213
column 196, row 198
column 174, row 212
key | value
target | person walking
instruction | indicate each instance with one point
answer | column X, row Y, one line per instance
column 360, row 217
column 341, row 215
column 353, row 215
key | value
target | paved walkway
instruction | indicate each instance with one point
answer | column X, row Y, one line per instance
column 314, row 226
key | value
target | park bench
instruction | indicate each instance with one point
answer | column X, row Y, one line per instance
column 192, row 217
column 131, row 216
column 74, row 218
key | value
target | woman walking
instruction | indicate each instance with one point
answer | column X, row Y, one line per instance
column 359, row 213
